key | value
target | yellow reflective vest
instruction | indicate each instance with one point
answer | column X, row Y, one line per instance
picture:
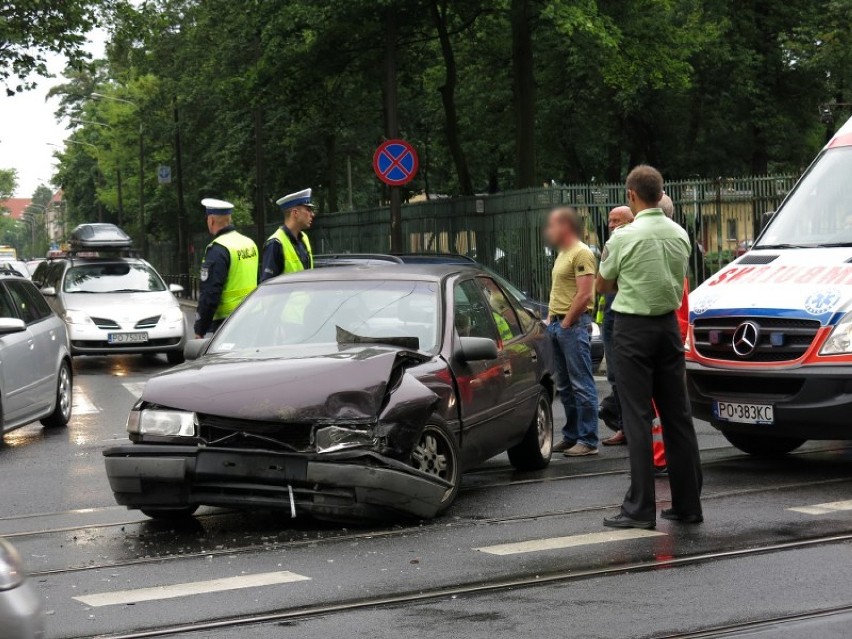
column 242, row 274
column 292, row 263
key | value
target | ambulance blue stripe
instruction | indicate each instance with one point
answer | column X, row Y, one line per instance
column 826, row 319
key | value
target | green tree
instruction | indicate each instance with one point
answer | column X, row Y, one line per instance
column 32, row 29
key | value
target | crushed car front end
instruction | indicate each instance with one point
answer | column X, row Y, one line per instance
column 337, row 451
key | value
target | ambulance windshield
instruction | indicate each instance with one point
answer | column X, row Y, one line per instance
column 819, row 212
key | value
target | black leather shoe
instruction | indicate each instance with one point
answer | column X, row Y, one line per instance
column 623, row 521
column 673, row 515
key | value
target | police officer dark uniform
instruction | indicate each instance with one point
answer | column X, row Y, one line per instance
column 288, row 250
column 229, row 270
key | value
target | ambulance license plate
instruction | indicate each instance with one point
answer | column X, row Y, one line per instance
column 127, row 338
column 744, row 413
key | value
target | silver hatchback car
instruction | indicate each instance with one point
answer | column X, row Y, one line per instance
column 35, row 358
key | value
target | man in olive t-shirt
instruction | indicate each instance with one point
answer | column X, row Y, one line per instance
column 572, row 299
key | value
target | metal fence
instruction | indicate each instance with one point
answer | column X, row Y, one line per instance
column 505, row 231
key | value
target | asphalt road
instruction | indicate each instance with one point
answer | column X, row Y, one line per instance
column 520, row 554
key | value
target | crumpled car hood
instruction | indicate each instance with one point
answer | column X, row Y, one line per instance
column 335, row 384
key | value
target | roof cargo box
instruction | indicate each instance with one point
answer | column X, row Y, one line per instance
column 99, row 236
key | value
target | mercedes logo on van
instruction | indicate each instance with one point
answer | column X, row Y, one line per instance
column 746, row 338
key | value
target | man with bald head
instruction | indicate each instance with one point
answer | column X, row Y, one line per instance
column 570, row 326
column 610, row 410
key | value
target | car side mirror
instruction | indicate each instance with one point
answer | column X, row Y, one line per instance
column 532, row 310
column 766, row 219
column 194, row 348
column 477, row 349
column 48, row 291
column 9, row 325
column 175, row 288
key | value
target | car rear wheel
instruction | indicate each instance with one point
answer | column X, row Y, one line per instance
column 175, row 357
column 762, row 446
column 534, row 452
column 61, row 414
column 437, row 453
column 170, row 514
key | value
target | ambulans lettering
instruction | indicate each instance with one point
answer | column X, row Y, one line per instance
column 785, row 274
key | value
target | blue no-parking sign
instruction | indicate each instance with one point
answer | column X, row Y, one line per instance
column 395, row 162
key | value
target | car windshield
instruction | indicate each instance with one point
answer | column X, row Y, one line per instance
column 325, row 312
column 819, row 211
column 118, row 277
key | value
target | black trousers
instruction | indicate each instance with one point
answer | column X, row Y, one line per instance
column 650, row 364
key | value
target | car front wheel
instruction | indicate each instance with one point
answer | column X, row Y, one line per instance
column 175, row 357
column 437, row 453
column 61, row 414
column 762, row 446
column 534, row 452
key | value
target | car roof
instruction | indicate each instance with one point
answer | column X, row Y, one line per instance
column 390, row 271
column 108, row 259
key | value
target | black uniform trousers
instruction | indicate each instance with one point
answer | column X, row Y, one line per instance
column 650, row 364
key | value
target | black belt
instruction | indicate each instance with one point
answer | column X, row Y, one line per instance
column 559, row 318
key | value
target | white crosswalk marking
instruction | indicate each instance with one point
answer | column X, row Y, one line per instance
column 824, row 509
column 81, row 404
column 557, row 543
column 121, row 597
column 135, row 388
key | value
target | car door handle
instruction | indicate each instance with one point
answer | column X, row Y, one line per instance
column 534, row 358
column 31, row 344
column 507, row 372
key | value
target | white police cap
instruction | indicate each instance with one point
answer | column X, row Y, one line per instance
column 300, row 198
column 217, row 207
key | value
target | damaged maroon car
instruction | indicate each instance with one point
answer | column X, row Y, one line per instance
column 348, row 393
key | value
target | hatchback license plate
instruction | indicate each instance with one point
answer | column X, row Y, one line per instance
column 744, row 413
column 127, row 338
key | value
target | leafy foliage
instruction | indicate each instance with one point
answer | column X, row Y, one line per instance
column 30, row 29
column 272, row 97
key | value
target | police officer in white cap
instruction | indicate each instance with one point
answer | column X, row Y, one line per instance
column 229, row 270
column 288, row 250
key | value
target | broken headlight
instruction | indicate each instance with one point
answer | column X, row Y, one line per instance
column 167, row 423
column 330, row 439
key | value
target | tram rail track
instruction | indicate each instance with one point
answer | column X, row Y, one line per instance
column 303, row 613
column 401, row 531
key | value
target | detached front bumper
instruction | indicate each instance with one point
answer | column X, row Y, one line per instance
column 809, row 402
column 351, row 485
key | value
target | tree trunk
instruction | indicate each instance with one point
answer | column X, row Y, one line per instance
column 331, row 173
column 448, row 98
column 523, row 84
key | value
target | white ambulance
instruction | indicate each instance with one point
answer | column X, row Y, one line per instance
column 769, row 350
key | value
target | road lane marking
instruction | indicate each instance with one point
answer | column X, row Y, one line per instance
column 557, row 543
column 135, row 388
column 81, row 404
column 120, row 597
column 824, row 509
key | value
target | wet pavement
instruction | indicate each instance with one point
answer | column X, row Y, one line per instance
column 518, row 554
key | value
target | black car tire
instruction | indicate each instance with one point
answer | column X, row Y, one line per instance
column 169, row 514
column 175, row 357
column 61, row 414
column 437, row 453
column 763, row 446
column 534, row 452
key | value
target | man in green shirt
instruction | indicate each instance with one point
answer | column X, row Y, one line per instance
column 646, row 263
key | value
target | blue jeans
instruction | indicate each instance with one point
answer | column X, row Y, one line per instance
column 575, row 381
